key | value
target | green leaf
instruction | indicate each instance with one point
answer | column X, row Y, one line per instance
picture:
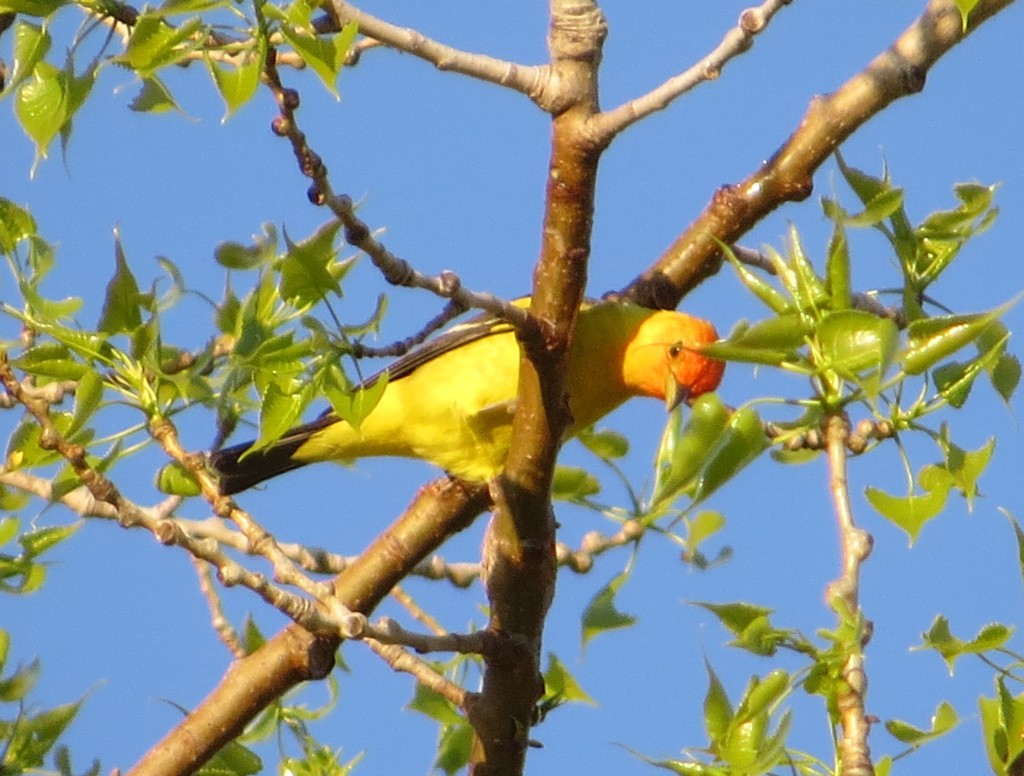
column 175, row 480
column 1002, row 722
column 153, row 97
column 866, row 187
column 933, row 339
column 31, row 44
column 36, row 735
column 305, row 270
column 941, row 639
column 772, row 341
column 18, row 685
column 762, row 694
column 943, row 720
column 912, row 511
column 1018, row 533
column 751, row 626
column 718, row 713
column 857, row 345
column 604, row 443
column 279, row 412
column 699, row 529
column 454, row 748
column 880, row 207
column 601, row 614
column 572, row 483
column 233, row 760
column 742, row 441
column 761, row 288
column 324, row 53
column 354, row 406
column 837, row 269
column 38, row 541
column 121, row 304
column 237, row 85
column 965, row 7
column 682, row 452
column 16, row 224
column 155, row 44
column 435, row 706
column 41, row 105
column 40, row 8
column 234, row 255
column 561, row 685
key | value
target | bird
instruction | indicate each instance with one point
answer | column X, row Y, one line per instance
column 451, row 400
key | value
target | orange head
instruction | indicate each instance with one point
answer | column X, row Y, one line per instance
column 663, row 359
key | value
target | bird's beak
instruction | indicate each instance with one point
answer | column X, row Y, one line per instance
column 675, row 392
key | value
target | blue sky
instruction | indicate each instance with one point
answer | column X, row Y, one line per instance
column 454, row 171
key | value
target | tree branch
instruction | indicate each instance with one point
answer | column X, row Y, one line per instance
column 844, row 596
column 519, row 547
column 529, row 80
column 439, row 510
column 604, row 126
column 897, row 72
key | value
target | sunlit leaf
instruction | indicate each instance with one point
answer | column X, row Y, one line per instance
column 941, row 639
column 943, row 721
column 601, row 614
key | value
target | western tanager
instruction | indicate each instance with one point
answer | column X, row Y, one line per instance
column 451, row 401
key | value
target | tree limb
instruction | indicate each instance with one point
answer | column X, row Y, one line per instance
column 897, row 72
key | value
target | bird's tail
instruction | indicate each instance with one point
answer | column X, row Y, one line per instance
column 238, row 469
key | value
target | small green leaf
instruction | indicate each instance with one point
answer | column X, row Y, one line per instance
column 742, row 441
column 155, row 44
column 176, row 480
column 354, row 406
column 761, row 288
column 909, row 512
column 121, row 305
column 153, row 97
column 880, row 207
column 41, row 105
column 40, row 8
column 941, row 639
column 572, row 483
column 305, row 270
column 562, row 685
column 31, row 44
column 18, row 685
column 943, row 721
column 601, row 614
column 837, row 269
column 325, row 54
column 16, row 224
column 718, row 713
column 682, row 452
column 604, row 443
column 965, row 7
column 35, row 543
column 237, row 85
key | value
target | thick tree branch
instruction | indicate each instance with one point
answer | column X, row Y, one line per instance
column 897, row 72
column 439, row 510
column 519, row 548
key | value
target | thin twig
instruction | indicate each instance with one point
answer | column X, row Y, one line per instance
column 395, row 270
column 530, row 80
column 400, row 660
column 737, row 40
column 843, row 596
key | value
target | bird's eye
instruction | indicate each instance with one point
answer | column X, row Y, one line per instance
column 675, row 350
